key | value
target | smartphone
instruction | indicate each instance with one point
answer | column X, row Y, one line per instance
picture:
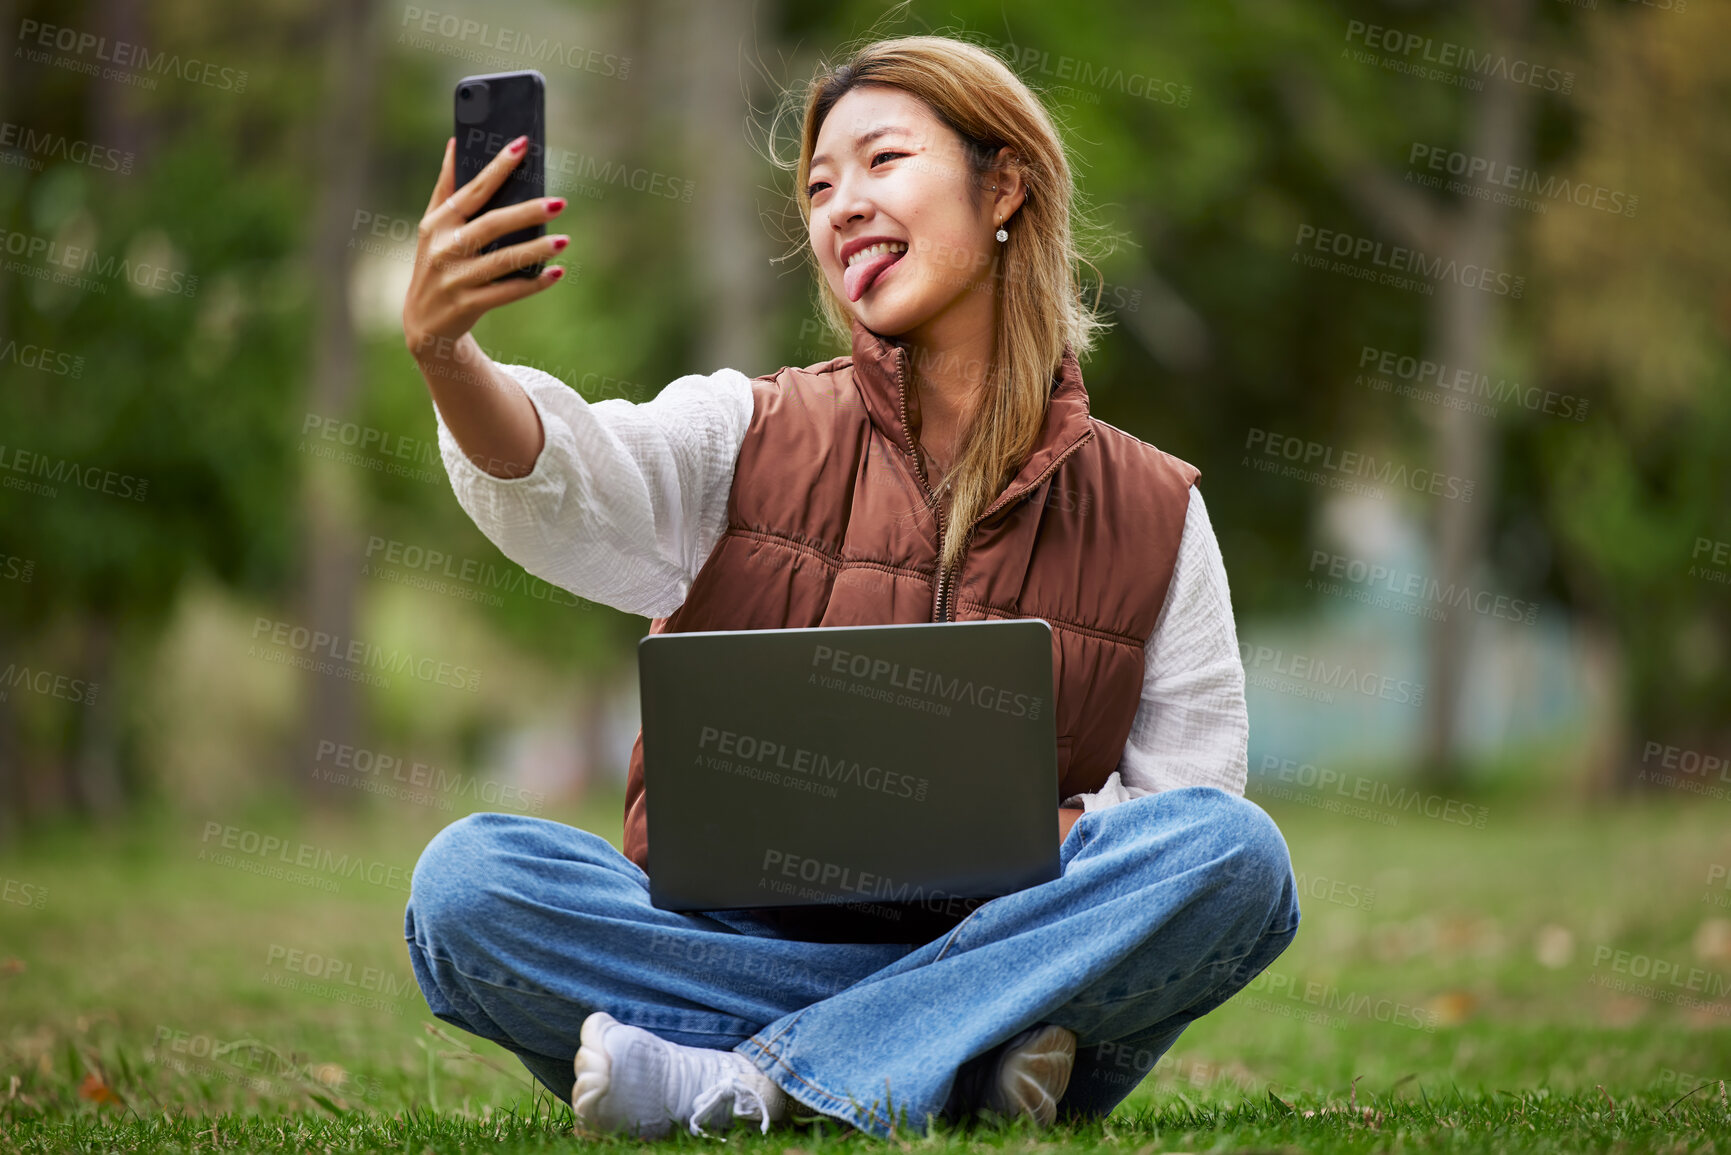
column 493, row 110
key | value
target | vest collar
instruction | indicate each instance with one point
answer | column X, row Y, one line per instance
column 883, row 374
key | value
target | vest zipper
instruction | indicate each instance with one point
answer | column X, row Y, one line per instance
column 938, row 609
column 941, row 607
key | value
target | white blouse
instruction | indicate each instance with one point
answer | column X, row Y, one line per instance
column 627, row 500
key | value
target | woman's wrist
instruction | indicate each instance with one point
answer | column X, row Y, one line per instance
column 486, row 409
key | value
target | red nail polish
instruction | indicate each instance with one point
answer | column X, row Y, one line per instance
column 555, row 205
column 519, row 144
column 555, row 272
column 559, row 243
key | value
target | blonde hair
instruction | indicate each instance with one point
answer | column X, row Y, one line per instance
column 1036, row 283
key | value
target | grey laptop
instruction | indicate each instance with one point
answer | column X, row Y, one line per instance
column 857, row 783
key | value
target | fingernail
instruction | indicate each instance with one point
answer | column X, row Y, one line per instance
column 555, row 205
column 519, row 144
column 555, row 272
column 559, row 243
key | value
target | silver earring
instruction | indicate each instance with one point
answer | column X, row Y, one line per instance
column 1002, row 234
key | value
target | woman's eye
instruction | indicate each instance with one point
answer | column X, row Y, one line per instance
column 811, row 190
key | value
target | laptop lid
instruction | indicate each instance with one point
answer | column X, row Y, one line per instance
column 910, row 765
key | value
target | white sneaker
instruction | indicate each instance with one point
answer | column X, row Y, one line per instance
column 1032, row 1073
column 630, row 1080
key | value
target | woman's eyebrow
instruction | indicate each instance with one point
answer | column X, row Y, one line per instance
column 863, row 138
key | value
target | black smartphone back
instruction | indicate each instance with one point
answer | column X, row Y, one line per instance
column 494, row 109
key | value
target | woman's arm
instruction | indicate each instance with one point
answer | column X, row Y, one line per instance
column 487, row 412
column 622, row 503
column 1192, row 727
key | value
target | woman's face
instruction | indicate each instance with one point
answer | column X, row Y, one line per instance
column 899, row 227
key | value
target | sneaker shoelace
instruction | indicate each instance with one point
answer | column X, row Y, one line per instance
column 722, row 1079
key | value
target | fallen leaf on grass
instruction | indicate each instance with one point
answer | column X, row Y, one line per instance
column 1453, row 1007
column 97, row 1091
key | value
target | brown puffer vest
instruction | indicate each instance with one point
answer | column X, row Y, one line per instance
column 831, row 523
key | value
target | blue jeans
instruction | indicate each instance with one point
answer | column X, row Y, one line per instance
column 518, row 928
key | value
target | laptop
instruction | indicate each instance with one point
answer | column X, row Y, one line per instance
column 853, row 783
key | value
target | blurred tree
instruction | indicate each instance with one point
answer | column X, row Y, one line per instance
column 1462, row 318
column 1636, row 311
column 172, row 389
column 330, row 518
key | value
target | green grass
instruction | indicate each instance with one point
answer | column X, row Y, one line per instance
column 1452, row 989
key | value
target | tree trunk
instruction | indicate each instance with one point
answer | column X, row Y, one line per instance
column 1463, row 334
column 95, row 770
column 329, row 546
column 730, row 248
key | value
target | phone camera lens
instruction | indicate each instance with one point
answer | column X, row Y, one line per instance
column 464, row 92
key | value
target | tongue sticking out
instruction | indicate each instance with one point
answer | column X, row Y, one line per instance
column 857, row 278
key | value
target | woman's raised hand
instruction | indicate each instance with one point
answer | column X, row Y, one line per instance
column 453, row 282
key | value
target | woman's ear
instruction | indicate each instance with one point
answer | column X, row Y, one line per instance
column 1011, row 189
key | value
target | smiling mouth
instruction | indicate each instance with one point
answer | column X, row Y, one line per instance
column 867, row 265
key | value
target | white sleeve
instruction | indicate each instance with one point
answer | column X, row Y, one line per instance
column 626, row 500
column 1191, row 727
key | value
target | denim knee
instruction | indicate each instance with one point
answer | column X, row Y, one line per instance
column 1256, row 861
column 442, row 887
column 478, row 860
column 1243, row 849
column 464, row 869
